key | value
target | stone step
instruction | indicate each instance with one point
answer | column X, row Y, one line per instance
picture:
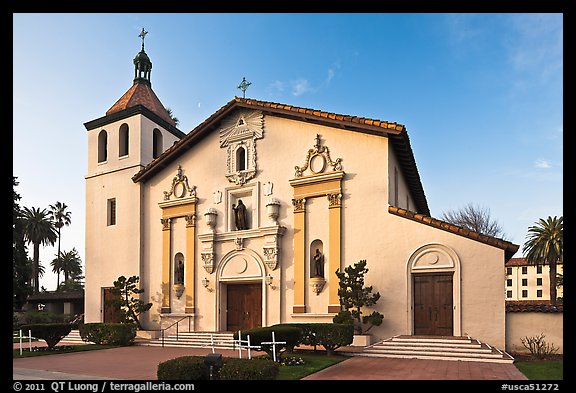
column 74, row 337
column 195, row 340
column 438, row 348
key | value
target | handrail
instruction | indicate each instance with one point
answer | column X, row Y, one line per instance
column 175, row 323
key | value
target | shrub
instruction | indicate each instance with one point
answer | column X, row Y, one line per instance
column 538, row 347
column 331, row 336
column 108, row 333
column 52, row 333
column 290, row 334
column 190, row 368
column 248, row 369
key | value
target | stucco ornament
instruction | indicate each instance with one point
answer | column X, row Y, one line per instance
column 317, row 159
column 180, row 187
column 240, row 132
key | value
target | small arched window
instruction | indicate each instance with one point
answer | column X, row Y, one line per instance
column 123, row 141
column 156, row 143
column 241, row 159
column 102, row 146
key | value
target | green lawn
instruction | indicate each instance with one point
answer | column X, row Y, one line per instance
column 312, row 364
column 542, row 370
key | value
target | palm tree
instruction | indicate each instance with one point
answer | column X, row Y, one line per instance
column 71, row 264
column 60, row 217
column 545, row 244
column 38, row 230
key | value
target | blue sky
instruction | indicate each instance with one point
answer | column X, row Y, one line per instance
column 480, row 94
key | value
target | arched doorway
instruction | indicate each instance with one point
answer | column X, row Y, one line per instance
column 433, row 282
column 241, row 291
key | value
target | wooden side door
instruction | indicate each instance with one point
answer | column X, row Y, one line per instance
column 111, row 312
column 244, row 306
column 433, row 315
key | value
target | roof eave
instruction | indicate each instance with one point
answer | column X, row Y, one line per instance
column 131, row 111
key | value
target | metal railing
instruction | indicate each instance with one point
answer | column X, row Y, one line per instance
column 177, row 323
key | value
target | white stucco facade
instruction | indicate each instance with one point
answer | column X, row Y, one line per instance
column 347, row 187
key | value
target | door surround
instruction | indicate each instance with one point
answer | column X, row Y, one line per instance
column 252, row 273
column 434, row 258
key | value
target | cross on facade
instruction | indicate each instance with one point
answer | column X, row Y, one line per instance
column 244, row 86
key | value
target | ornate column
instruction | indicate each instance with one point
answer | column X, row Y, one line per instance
column 299, row 254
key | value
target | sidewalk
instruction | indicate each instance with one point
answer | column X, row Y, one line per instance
column 141, row 363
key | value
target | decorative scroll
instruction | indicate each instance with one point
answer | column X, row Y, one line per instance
column 180, row 187
column 317, row 159
column 334, row 200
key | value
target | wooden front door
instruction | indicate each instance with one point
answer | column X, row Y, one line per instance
column 244, row 306
column 433, row 311
column 111, row 307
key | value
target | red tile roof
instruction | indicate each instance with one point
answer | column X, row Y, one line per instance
column 141, row 93
column 509, row 248
column 520, row 262
column 532, row 306
column 396, row 132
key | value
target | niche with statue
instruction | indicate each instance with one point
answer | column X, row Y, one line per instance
column 317, row 262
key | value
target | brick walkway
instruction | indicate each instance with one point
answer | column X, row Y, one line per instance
column 141, row 362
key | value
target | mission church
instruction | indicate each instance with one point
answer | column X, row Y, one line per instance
column 243, row 221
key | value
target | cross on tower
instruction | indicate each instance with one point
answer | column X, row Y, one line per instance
column 244, row 86
column 142, row 35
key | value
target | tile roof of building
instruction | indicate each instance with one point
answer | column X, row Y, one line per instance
column 141, row 93
column 520, row 262
column 396, row 132
column 532, row 306
column 508, row 247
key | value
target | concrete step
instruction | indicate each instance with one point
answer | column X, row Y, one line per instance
column 73, row 338
column 438, row 348
column 195, row 340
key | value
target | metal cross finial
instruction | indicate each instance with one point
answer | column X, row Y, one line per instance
column 317, row 139
column 142, row 35
column 244, row 86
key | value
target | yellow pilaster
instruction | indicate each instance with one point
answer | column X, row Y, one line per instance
column 335, row 238
column 165, row 265
column 299, row 254
column 190, row 262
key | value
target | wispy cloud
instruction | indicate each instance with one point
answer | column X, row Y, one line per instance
column 542, row 164
column 536, row 44
column 301, row 86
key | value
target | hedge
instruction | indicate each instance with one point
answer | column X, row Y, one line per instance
column 248, row 369
column 188, row 368
column 52, row 333
column 192, row 368
column 282, row 332
column 331, row 336
column 108, row 333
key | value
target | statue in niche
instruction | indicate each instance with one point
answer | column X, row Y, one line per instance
column 240, row 215
column 179, row 273
column 317, row 265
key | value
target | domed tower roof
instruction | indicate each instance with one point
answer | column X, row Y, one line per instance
column 141, row 92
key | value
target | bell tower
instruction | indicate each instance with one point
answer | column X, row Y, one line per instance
column 133, row 132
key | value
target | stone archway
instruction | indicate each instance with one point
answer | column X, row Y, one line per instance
column 433, row 283
column 241, row 295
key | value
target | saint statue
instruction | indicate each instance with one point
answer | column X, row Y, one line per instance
column 317, row 266
column 240, row 215
column 179, row 273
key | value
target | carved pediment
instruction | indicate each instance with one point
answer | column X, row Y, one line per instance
column 317, row 159
column 241, row 126
column 180, row 187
